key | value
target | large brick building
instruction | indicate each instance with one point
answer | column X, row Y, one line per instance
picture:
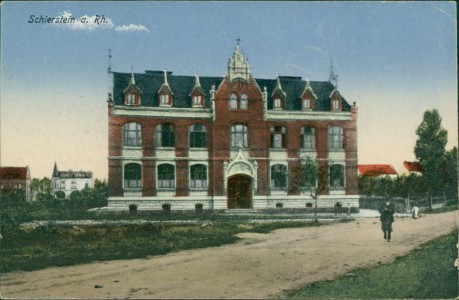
column 217, row 143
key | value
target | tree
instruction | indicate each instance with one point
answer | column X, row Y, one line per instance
column 430, row 150
column 307, row 177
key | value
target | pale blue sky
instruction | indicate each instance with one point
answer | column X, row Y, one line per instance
column 394, row 59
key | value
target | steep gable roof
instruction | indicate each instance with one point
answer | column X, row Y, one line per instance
column 376, row 170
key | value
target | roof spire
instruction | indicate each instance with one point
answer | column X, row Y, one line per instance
column 333, row 78
column 165, row 77
column 197, row 83
column 132, row 76
column 238, row 66
column 55, row 171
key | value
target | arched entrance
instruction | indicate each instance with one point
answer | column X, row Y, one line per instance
column 239, row 191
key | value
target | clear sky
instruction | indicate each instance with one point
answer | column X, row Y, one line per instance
column 394, row 59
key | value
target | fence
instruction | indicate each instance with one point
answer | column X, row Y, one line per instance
column 403, row 205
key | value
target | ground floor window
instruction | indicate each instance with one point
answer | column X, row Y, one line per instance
column 337, row 176
column 278, row 177
column 132, row 175
column 198, row 176
column 166, row 176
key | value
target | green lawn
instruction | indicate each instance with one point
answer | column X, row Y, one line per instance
column 426, row 273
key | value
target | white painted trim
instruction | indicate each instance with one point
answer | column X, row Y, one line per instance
column 162, row 112
column 288, row 115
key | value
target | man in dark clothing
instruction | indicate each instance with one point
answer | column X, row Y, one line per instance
column 387, row 210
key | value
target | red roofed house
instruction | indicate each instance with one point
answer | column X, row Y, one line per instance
column 377, row 170
column 413, row 166
column 17, row 178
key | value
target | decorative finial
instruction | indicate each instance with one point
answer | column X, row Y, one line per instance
column 333, row 78
column 132, row 75
column 197, row 83
column 165, row 77
column 238, row 40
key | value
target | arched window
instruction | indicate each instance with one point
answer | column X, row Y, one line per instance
column 244, row 102
column 277, row 137
column 232, row 102
column 198, row 136
column 278, row 177
column 335, row 137
column 239, row 136
column 308, row 137
column 132, row 134
column 164, row 135
column 132, row 175
column 336, row 176
column 198, row 176
column 166, row 176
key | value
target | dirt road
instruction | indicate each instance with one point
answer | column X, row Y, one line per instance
column 260, row 266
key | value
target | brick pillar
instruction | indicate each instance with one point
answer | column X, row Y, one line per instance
column 182, row 178
column 115, row 178
column 321, row 146
column 149, row 178
column 350, row 138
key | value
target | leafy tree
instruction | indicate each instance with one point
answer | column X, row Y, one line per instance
column 430, row 150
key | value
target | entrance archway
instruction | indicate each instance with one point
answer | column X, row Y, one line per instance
column 239, row 192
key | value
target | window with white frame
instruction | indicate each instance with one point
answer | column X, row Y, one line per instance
column 130, row 99
column 132, row 134
column 198, row 136
column 335, row 138
column 278, row 177
column 307, row 103
column 244, row 102
column 277, row 103
column 239, row 134
column 277, row 137
column 166, row 176
column 197, row 101
column 308, row 137
column 336, row 105
column 336, row 176
column 132, row 175
column 164, row 100
column 73, row 185
column 63, row 185
column 198, row 176
column 165, row 135
column 232, row 102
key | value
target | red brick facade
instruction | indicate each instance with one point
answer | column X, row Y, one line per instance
column 251, row 146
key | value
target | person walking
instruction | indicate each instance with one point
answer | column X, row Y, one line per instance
column 387, row 210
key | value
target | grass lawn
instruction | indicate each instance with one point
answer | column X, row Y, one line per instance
column 426, row 273
column 28, row 248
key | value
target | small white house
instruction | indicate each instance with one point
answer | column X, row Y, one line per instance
column 69, row 181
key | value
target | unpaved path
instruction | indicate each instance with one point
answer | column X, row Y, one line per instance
column 261, row 266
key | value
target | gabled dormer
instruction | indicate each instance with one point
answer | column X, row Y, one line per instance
column 165, row 94
column 197, row 94
column 308, row 97
column 132, row 93
column 278, row 96
column 336, row 102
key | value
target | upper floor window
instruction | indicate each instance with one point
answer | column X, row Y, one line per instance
column 308, row 137
column 232, row 102
column 132, row 175
column 62, row 185
column 278, row 177
column 244, row 102
column 277, row 103
column 166, row 176
column 165, row 100
column 335, row 137
column 277, row 137
column 337, row 176
column 73, row 185
column 197, row 101
column 198, row 136
column 164, row 135
column 198, row 176
column 307, row 104
column 132, row 134
column 239, row 136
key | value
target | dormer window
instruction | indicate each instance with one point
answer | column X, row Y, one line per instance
column 130, row 99
column 307, row 104
column 164, row 100
column 335, row 101
column 336, row 105
column 197, row 101
column 277, row 103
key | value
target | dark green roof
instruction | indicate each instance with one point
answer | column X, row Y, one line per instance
column 150, row 82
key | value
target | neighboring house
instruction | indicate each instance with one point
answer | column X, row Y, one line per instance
column 377, row 170
column 17, row 178
column 217, row 143
column 413, row 167
column 69, row 181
